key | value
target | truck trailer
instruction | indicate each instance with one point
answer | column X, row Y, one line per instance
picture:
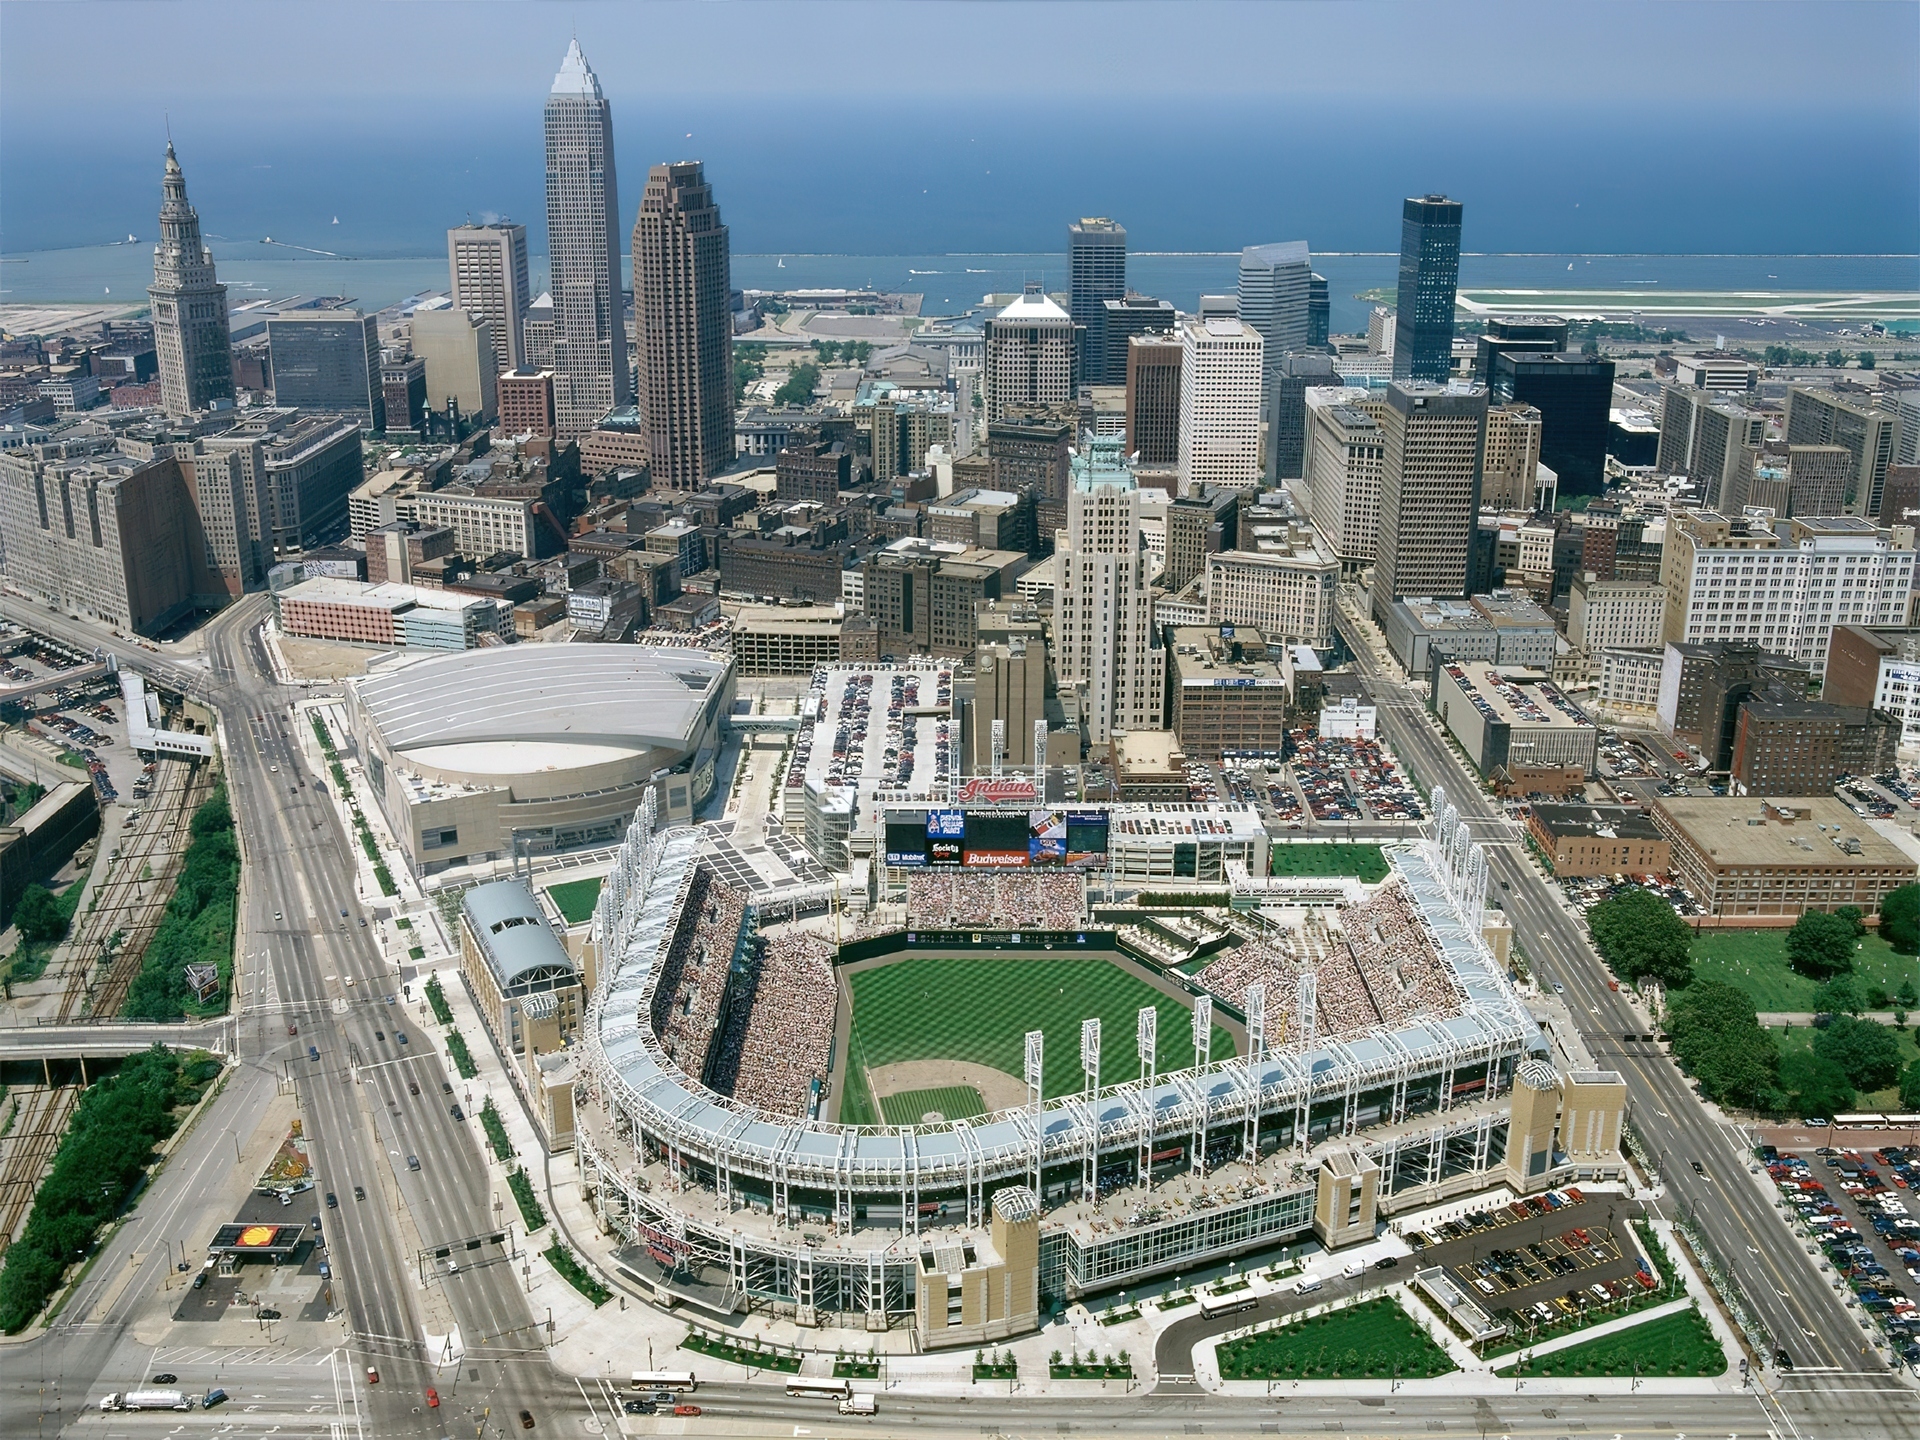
column 147, row 1400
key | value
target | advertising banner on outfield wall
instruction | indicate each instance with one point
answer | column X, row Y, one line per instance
column 997, row 840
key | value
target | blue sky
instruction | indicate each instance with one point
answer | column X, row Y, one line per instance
column 902, row 128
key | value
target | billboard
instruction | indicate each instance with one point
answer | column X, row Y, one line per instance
column 946, row 834
column 996, row 840
column 907, row 840
column 997, row 790
column 1047, row 837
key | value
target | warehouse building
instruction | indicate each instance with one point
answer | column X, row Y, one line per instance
column 1742, row 857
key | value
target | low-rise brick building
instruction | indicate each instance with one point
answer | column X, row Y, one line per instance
column 1599, row 840
column 1763, row 859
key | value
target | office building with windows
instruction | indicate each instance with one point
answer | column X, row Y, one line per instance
column 191, row 338
column 1222, row 360
column 1097, row 274
column 1031, row 354
column 1153, row 398
column 328, row 362
column 683, row 327
column 1276, row 285
column 1830, row 417
column 1344, row 464
column 1429, row 489
column 1104, row 633
column 1132, row 314
column 488, row 264
column 1429, row 275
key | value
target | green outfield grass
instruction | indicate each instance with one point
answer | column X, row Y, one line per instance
column 955, row 1102
column 1318, row 857
column 576, row 898
column 978, row 1009
column 1756, row 961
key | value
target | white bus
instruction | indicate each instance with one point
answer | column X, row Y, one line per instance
column 1214, row 1306
column 820, row 1389
column 678, row 1382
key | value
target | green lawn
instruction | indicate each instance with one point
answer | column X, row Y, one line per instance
column 1377, row 1339
column 978, row 1009
column 1680, row 1344
column 1756, row 961
column 954, row 1102
column 1801, row 1038
column 576, row 898
column 1319, row 857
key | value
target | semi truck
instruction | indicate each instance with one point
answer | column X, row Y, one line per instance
column 147, row 1400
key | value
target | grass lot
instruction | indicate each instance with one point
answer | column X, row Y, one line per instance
column 1679, row 1344
column 1318, row 857
column 1375, row 1339
column 1756, row 961
column 1801, row 1038
column 956, row 1102
column 978, row 1009
column 576, row 898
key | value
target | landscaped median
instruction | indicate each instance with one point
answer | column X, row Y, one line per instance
column 1374, row 1340
column 577, row 1275
column 1680, row 1344
column 531, row 1215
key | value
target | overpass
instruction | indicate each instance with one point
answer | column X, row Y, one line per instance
column 60, row 681
column 78, row 1053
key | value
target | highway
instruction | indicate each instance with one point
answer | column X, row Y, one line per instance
column 1834, row 1357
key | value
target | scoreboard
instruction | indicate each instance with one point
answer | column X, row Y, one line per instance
column 996, row 839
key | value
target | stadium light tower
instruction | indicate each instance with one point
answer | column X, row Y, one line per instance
column 1306, row 1025
column 1202, row 1051
column 1146, row 1041
column 1090, row 1075
column 999, row 744
column 1256, row 1052
column 1040, row 761
column 1036, row 1071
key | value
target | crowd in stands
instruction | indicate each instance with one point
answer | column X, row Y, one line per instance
column 1375, row 965
column 778, row 1034
column 693, row 974
column 996, row 900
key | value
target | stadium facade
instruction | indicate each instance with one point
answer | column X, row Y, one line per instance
column 727, row 1207
column 536, row 748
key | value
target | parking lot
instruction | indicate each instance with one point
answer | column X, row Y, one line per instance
column 1859, row 1205
column 1351, row 780
column 1533, row 1254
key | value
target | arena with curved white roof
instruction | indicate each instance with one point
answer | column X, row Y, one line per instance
column 544, row 747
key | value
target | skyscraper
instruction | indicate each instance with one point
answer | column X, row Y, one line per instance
column 1276, row 289
column 1132, row 314
column 1104, row 630
column 488, row 264
column 1097, row 272
column 1573, row 394
column 190, row 332
column 1221, row 363
column 683, row 328
column 1153, row 399
column 1429, row 489
column 583, row 251
column 1429, row 274
column 1030, row 354
column 1319, row 312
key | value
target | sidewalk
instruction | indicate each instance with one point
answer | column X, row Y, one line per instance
column 1592, row 1332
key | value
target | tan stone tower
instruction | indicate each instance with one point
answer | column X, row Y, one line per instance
column 190, row 334
column 683, row 327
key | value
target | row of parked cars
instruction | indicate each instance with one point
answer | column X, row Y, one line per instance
column 1474, row 1220
column 1808, row 1192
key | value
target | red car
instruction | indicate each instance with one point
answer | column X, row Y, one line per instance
column 433, row 1398
column 686, row 1409
column 373, row 1376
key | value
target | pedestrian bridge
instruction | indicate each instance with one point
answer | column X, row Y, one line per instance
column 76, row 1053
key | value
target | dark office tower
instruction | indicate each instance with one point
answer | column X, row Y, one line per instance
column 1429, row 274
column 583, row 252
column 683, row 327
column 1097, row 272
column 190, row 335
column 1319, row 312
column 1517, row 334
column 1573, row 394
column 1429, row 490
column 1132, row 314
column 1153, row 399
column 1287, row 410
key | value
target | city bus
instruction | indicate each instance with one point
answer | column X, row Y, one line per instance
column 819, row 1389
column 678, row 1382
column 1214, row 1306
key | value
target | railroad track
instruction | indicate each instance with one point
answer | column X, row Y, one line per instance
column 135, row 894
column 29, row 1150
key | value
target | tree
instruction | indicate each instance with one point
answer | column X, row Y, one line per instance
column 1866, row 359
column 829, row 350
column 1718, row 1038
column 1910, row 1087
column 38, row 916
column 1839, row 996
column 1867, row 1052
column 1640, row 936
column 1811, row 1084
column 798, row 389
column 1837, row 359
column 1820, row 945
column 1851, row 914
column 1906, row 996
column 1900, row 919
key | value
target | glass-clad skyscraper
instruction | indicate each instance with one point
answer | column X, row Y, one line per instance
column 1429, row 274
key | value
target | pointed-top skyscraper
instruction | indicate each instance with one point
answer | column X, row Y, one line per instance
column 190, row 334
column 583, row 251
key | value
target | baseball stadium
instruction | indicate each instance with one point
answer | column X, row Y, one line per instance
column 944, row 1121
